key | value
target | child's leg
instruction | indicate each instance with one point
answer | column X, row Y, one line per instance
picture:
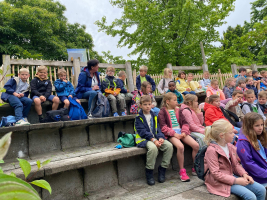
column 121, row 101
column 185, row 93
column 113, row 103
column 55, row 101
column 27, row 104
column 129, row 95
column 180, row 151
column 200, row 138
column 17, row 105
column 37, row 105
column 66, row 103
column 151, row 155
column 192, row 143
column 167, row 149
column 122, row 94
column 192, row 92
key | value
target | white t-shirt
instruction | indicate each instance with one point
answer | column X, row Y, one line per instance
column 226, row 150
column 94, row 81
column 148, row 118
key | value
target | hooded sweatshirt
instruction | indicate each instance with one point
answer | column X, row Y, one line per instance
column 181, row 85
column 212, row 114
column 219, row 92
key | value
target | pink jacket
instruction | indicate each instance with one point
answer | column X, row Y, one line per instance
column 220, row 177
column 219, row 92
column 194, row 120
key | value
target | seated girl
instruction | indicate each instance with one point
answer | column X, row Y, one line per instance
column 194, row 85
column 181, row 84
column 163, row 85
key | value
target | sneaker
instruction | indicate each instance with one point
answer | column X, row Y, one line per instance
column 194, row 173
column 183, row 176
column 26, row 120
column 115, row 115
column 22, row 122
column 123, row 114
column 89, row 116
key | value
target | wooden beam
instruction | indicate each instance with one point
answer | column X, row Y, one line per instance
column 187, row 67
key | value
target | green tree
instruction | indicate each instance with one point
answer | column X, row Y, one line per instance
column 38, row 29
column 168, row 31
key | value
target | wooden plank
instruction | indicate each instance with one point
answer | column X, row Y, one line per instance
column 261, row 66
column 105, row 65
column 40, row 62
column 187, row 68
column 246, row 67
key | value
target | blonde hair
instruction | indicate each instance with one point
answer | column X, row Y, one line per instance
column 24, row 70
column 189, row 98
column 262, row 72
column 41, row 68
column 248, row 78
column 249, row 70
column 248, row 122
column 145, row 98
column 110, row 68
column 248, row 92
column 206, row 72
column 61, row 72
column 213, row 81
column 213, row 97
column 168, row 96
column 262, row 94
column 143, row 68
column 121, row 73
column 166, row 73
column 212, row 133
column 144, row 85
column 227, row 81
column 190, row 74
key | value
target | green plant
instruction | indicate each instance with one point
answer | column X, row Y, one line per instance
column 12, row 187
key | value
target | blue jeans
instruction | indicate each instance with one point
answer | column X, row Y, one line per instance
column 185, row 92
column 253, row 191
column 91, row 96
column 21, row 106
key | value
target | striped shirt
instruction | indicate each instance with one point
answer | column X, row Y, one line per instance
column 175, row 123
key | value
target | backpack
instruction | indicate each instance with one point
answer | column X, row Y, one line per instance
column 163, row 85
column 8, row 121
column 134, row 107
column 102, row 107
column 230, row 116
column 76, row 110
column 57, row 115
column 126, row 139
column 250, row 107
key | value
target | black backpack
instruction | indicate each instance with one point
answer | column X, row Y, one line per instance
column 57, row 115
column 229, row 115
column 249, row 105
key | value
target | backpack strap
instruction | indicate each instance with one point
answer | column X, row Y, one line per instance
column 163, row 85
column 188, row 109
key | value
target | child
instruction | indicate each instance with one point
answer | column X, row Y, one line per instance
column 181, row 84
column 175, row 128
column 145, row 90
column 250, row 85
column 124, row 92
column 252, row 147
column 194, row 85
column 241, row 76
column 225, row 175
column 249, row 73
column 64, row 88
column 205, row 82
column 194, row 117
column 41, row 89
column 233, row 105
column 263, row 84
column 250, row 106
column 262, row 102
column 143, row 77
column 172, row 88
column 163, row 83
column 16, row 94
column 242, row 86
column 111, row 88
column 229, row 87
column 149, row 135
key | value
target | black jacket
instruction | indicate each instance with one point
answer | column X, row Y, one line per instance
column 40, row 88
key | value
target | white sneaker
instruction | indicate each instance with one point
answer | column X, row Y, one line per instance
column 89, row 116
column 22, row 122
column 26, row 120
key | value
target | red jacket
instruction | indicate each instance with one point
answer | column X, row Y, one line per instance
column 165, row 122
column 212, row 114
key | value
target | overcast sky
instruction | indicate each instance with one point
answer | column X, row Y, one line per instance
column 88, row 11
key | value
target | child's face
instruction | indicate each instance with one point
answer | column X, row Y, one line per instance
column 142, row 73
column 24, row 76
column 258, row 127
column 216, row 103
column 182, row 76
column 256, row 74
column 62, row 77
column 249, row 74
column 110, row 72
column 189, row 77
column 172, row 87
column 146, row 107
column 215, row 85
column 172, row 103
column 262, row 100
column 243, row 85
column 170, row 74
column 206, row 75
column 123, row 77
column 148, row 89
column 232, row 83
column 42, row 74
column 229, row 136
column 250, row 98
column 195, row 103
column 250, row 82
column 265, row 75
column 238, row 96
column 243, row 73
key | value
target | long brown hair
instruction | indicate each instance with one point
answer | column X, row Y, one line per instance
column 144, row 86
column 248, row 122
column 189, row 98
column 166, row 97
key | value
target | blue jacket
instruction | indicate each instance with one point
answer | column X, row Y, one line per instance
column 63, row 89
column 251, row 159
column 149, row 79
column 142, row 129
column 85, row 82
column 11, row 87
column 123, row 89
column 228, row 92
column 252, row 87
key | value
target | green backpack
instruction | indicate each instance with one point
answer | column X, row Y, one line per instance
column 126, row 139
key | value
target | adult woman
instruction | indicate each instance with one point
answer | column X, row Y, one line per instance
column 89, row 84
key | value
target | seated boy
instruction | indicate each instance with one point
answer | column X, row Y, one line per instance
column 111, row 88
column 143, row 77
column 41, row 89
column 172, row 88
column 250, row 106
column 229, row 87
column 250, row 85
column 124, row 92
column 194, row 85
column 241, row 76
column 149, row 135
column 64, row 88
column 263, row 84
column 233, row 105
column 205, row 82
column 241, row 86
column 262, row 102
column 16, row 94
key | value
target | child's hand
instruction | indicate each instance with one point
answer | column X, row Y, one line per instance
column 21, row 95
column 96, row 87
column 157, row 143
column 127, row 91
column 235, row 131
column 188, row 89
column 16, row 94
column 65, row 81
column 161, row 141
column 115, row 94
column 78, row 101
column 200, row 86
column 197, row 110
column 42, row 98
column 152, row 106
column 241, row 181
column 183, row 134
column 248, row 178
column 70, row 96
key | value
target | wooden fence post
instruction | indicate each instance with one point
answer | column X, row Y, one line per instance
column 254, row 67
column 134, row 76
column 234, row 69
column 6, row 67
column 205, row 67
column 220, row 77
column 129, row 76
column 77, row 70
column 169, row 65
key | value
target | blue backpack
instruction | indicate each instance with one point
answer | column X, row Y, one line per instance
column 76, row 110
column 8, row 121
column 102, row 107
